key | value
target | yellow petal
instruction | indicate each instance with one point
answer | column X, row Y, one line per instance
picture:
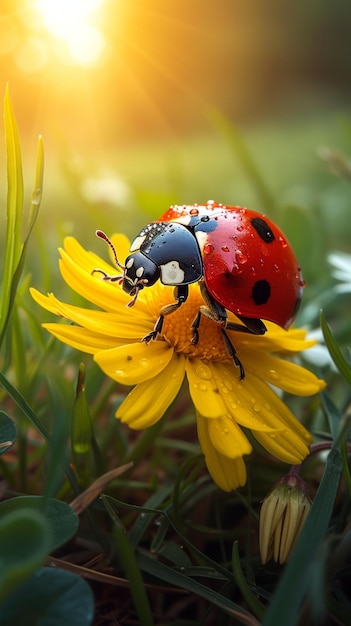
column 203, row 389
column 287, row 376
column 148, row 401
column 264, row 403
column 275, row 340
column 286, row 446
column 104, row 294
column 120, row 324
column 135, row 363
column 229, row 387
column 227, row 473
column 228, row 438
column 81, row 338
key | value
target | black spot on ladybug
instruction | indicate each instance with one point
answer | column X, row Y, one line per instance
column 261, row 292
column 262, row 229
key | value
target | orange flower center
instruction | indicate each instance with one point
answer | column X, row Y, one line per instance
column 178, row 331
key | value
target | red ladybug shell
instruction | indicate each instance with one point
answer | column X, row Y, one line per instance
column 249, row 266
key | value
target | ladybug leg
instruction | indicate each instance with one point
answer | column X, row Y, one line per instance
column 180, row 295
column 232, row 353
column 252, row 326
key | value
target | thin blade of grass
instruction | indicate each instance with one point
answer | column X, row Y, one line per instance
column 174, row 577
column 27, row 410
column 14, row 208
column 334, row 350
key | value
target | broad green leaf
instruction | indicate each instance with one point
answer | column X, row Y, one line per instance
column 61, row 521
column 7, row 432
column 49, row 598
column 24, row 544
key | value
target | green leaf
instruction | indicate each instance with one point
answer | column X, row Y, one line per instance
column 50, row 597
column 61, row 521
column 294, row 583
column 250, row 597
column 334, row 351
column 15, row 250
column 126, row 556
column 7, row 432
column 333, row 414
column 24, row 544
column 14, row 208
column 178, row 579
column 37, row 423
column 82, row 430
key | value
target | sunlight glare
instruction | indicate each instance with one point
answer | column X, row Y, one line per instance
column 69, row 22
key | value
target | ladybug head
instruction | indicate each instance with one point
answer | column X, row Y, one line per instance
column 139, row 272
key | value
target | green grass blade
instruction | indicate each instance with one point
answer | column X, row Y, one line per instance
column 126, row 557
column 15, row 250
column 27, row 410
column 178, row 579
column 14, row 208
column 334, row 351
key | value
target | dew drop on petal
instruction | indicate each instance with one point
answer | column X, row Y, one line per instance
column 203, row 387
column 274, row 374
column 203, row 372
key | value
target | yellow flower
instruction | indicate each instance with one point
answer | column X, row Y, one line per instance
column 224, row 403
column 283, row 514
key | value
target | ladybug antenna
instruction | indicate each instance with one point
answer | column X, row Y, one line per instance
column 102, row 235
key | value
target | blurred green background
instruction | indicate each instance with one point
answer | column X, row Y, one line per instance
column 140, row 104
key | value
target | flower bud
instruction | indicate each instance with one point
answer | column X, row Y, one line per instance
column 282, row 516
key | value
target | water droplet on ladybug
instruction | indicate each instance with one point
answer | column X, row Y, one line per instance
column 225, row 249
column 283, row 242
column 302, row 283
column 241, row 257
column 208, row 248
column 194, row 212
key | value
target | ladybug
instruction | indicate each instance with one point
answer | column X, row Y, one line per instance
column 241, row 259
